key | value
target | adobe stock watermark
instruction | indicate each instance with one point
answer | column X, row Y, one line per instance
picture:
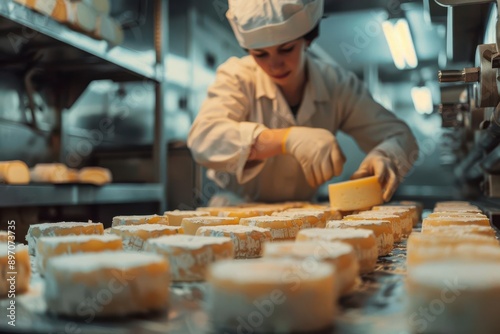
column 424, row 316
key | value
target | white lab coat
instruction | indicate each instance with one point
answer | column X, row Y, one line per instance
column 243, row 101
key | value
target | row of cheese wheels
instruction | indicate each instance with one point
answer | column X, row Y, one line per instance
column 453, row 278
column 17, row 172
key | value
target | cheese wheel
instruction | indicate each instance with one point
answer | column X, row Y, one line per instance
column 381, row 228
column 447, row 220
column 459, row 297
column 458, row 252
column 418, row 243
column 189, row 256
column 395, row 220
column 4, row 236
column 49, row 247
column 133, row 237
column 310, row 218
column 50, row 173
column 95, row 175
column 248, row 240
column 175, row 217
column 14, row 172
column 15, row 273
column 282, row 228
column 355, row 194
column 62, row 228
column 264, row 294
column 409, row 216
column 139, row 220
column 118, row 283
column 339, row 255
column 460, row 229
column 364, row 243
column 192, row 224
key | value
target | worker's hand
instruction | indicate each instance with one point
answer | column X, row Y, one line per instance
column 317, row 152
column 376, row 163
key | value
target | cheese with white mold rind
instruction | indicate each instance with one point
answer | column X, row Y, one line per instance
column 397, row 227
column 61, row 228
column 119, row 283
column 49, row 247
column 139, row 220
column 248, row 240
column 458, row 220
column 175, row 217
column 236, row 287
column 355, row 194
column 190, row 256
column 282, row 228
column 364, row 243
column 133, row 237
column 192, row 224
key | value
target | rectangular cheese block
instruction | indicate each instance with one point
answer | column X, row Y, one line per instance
column 355, row 194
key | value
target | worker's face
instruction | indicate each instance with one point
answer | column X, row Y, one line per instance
column 283, row 63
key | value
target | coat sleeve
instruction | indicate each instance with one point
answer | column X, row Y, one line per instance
column 371, row 125
column 221, row 137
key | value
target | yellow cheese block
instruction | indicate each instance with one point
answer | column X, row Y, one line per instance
column 364, row 243
column 15, row 273
column 419, row 243
column 459, row 297
column 293, row 301
column 459, row 220
column 406, row 216
column 189, row 256
column 95, row 175
column 355, row 194
column 248, row 240
column 14, row 172
column 246, row 212
column 120, row 283
column 139, row 220
column 49, row 247
column 282, row 228
column 192, row 224
column 50, row 173
column 175, row 217
column 339, row 255
column 381, row 228
column 374, row 215
column 62, row 228
column 133, row 237
column 460, row 229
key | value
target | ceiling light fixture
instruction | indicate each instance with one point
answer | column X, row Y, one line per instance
column 398, row 36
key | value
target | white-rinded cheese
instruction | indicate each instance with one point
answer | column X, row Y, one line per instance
column 192, row 224
column 62, row 228
column 364, row 243
column 175, row 217
column 460, row 229
column 355, row 194
column 140, row 220
column 397, row 226
column 189, row 256
column 106, row 284
column 49, row 247
column 309, row 217
column 406, row 214
column 458, row 220
column 282, row 296
column 134, row 236
column 14, row 172
column 458, row 252
column 282, row 228
column 339, row 255
column 15, row 269
column 381, row 228
column 459, row 297
column 248, row 240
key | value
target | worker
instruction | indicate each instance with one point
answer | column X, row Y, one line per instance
column 266, row 131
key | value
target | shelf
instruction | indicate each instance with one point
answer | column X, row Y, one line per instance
column 78, row 194
column 74, row 48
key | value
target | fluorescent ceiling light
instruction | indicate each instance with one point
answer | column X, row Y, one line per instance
column 400, row 42
column 422, row 100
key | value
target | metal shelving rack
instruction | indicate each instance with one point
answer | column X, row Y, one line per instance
column 72, row 55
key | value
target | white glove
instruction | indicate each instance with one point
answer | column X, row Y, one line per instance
column 376, row 163
column 317, row 152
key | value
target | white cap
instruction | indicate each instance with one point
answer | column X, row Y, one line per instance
column 264, row 23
